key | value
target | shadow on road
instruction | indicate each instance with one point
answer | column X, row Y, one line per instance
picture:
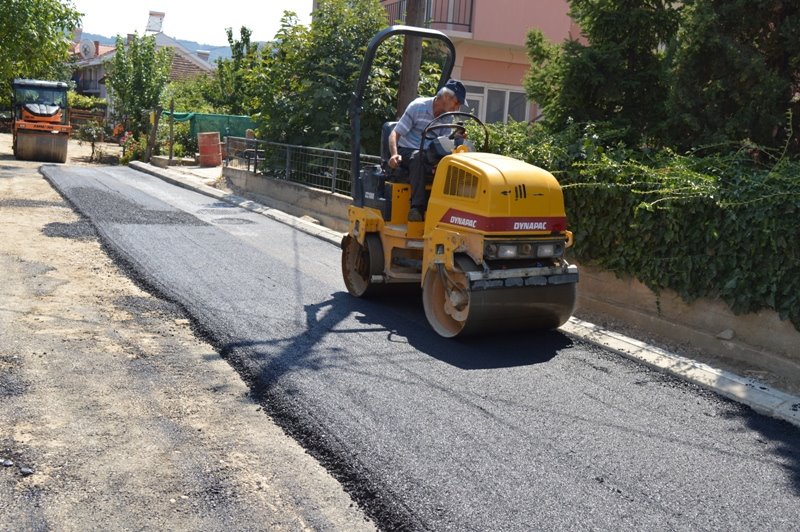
column 784, row 439
column 402, row 317
column 398, row 319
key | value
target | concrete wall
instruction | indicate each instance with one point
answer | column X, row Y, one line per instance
column 760, row 339
column 329, row 208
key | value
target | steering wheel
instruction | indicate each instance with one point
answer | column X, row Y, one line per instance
column 434, row 126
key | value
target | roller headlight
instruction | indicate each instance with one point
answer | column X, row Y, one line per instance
column 523, row 250
column 507, row 251
column 550, row 250
column 546, row 250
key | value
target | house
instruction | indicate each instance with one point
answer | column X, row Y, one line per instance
column 489, row 37
column 90, row 72
column 91, row 57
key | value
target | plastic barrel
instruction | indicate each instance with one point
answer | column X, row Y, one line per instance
column 209, row 146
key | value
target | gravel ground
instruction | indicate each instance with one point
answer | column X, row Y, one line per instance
column 114, row 415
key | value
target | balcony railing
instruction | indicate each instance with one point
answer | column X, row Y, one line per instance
column 454, row 15
column 88, row 85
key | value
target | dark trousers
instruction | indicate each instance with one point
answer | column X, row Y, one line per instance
column 413, row 161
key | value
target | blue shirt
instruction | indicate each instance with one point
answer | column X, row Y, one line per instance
column 417, row 116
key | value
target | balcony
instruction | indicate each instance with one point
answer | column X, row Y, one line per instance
column 88, row 86
column 443, row 15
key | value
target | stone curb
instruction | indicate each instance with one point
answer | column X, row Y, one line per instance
column 197, row 184
column 750, row 392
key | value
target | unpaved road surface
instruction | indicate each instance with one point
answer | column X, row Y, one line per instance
column 113, row 414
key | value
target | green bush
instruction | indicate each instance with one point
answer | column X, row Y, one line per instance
column 714, row 226
column 133, row 148
column 89, row 103
column 92, row 132
column 183, row 142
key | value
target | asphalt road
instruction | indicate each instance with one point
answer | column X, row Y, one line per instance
column 530, row 431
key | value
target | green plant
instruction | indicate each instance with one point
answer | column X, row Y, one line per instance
column 183, row 140
column 704, row 223
column 82, row 101
column 35, row 39
column 618, row 75
column 305, row 84
column 133, row 148
column 735, row 73
column 92, row 132
column 138, row 74
column 178, row 150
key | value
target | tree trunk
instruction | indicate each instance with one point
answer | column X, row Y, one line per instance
column 412, row 56
column 151, row 143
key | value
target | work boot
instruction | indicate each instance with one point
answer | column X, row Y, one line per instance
column 416, row 215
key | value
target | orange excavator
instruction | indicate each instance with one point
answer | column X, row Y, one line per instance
column 41, row 123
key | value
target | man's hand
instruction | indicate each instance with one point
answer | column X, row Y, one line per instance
column 394, row 160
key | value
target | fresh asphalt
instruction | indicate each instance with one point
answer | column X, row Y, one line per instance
column 521, row 432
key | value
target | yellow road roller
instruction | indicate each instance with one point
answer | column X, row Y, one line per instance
column 41, row 126
column 489, row 255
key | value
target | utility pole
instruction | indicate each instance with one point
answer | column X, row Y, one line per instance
column 171, row 128
column 412, row 57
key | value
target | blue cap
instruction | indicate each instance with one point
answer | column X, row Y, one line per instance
column 458, row 89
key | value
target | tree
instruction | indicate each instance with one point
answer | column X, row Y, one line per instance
column 199, row 94
column 91, row 132
column 34, row 41
column 306, row 78
column 618, row 77
column 137, row 75
column 736, row 73
column 234, row 92
column 683, row 74
column 310, row 73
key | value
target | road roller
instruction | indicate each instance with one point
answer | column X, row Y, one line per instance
column 40, row 127
column 489, row 255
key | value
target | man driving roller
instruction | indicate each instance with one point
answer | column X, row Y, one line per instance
column 404, row 141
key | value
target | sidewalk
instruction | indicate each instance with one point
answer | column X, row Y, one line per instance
column 748, row 391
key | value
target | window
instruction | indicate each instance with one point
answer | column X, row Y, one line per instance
column 517, row 106
column 494, row 104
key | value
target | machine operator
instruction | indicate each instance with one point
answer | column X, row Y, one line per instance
column 404, row 141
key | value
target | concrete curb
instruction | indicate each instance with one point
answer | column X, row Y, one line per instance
column 197, row 184
column 750, row 392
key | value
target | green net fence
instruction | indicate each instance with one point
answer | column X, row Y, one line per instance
column 226, row 125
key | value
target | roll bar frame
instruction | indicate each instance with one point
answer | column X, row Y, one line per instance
column 357, row 102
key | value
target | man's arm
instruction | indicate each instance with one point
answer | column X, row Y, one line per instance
column 395, row 158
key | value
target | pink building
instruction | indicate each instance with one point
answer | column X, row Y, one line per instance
column 489, row 36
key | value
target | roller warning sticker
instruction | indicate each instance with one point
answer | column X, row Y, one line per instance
column 499, row 224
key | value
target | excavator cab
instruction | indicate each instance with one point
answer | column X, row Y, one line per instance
column 489, row 256
column 41, row 125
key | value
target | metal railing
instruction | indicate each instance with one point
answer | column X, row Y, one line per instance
column 315, row 167
column 88, row 86
column 439, row 14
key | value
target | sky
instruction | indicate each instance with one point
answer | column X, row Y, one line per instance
column 194, row 20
